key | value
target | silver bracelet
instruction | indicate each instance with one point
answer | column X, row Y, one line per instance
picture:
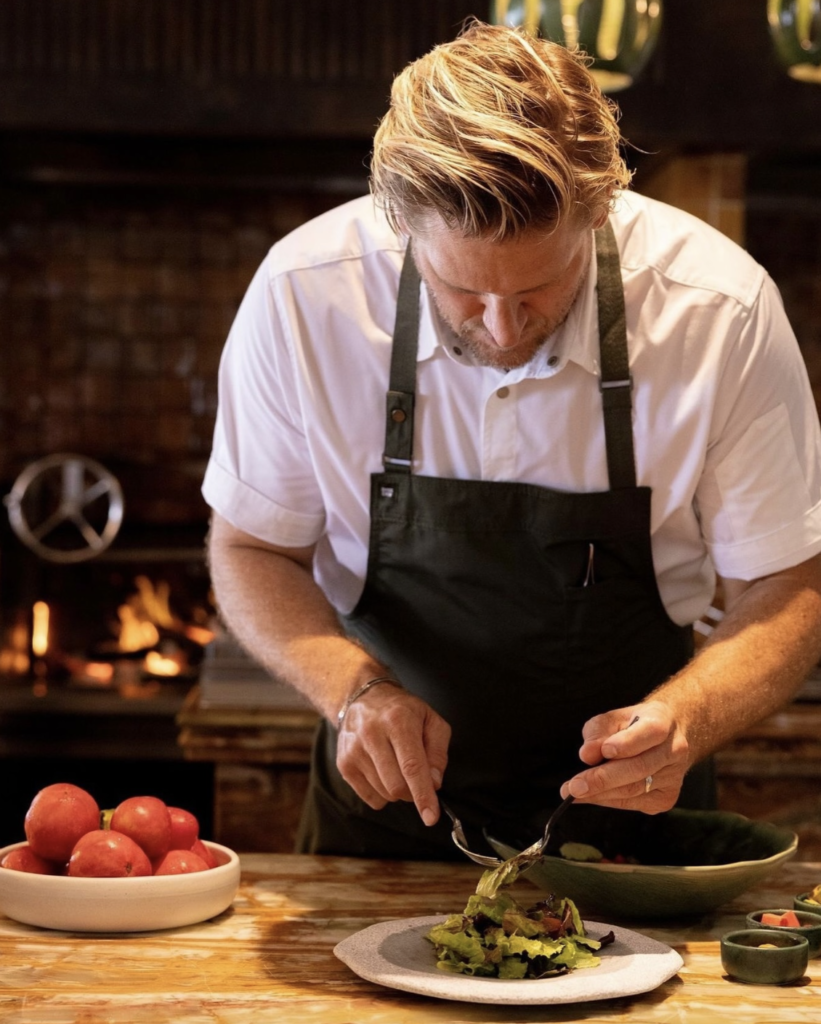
column 340, row 718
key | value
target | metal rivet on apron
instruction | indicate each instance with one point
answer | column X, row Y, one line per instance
column 386, row 492
column 398, row 416
column 503, row 392
column 552, row 360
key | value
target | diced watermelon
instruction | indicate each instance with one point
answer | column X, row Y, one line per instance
column 786, row 920
column 771, row 919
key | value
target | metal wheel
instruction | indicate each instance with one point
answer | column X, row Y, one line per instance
column 65, row 507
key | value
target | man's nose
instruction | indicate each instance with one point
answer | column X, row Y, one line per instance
column 504, row 320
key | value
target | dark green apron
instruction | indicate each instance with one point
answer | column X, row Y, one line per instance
column 475, row 597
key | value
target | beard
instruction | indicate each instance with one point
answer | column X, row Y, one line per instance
column 475, row 338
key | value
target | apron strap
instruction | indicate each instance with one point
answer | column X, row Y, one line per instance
column 616, row 382
column 398, row 453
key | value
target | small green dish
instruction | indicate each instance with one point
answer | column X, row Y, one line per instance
column 802, row 903
column 810, row 926
column 747, row 956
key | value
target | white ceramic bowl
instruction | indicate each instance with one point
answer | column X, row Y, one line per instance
column 120, row 904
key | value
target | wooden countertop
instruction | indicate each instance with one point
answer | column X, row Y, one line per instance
column 270, row 958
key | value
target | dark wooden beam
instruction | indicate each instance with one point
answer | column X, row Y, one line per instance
column 234, row 69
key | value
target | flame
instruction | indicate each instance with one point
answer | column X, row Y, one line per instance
column 200, row 635
column 14, row 659
column 141, row 618
column 135, row 633
column 158, row 665
column 155, row 601
column 101, row 672
column 39, row 629
column 142, row 613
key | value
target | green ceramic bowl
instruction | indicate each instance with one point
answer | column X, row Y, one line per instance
column 690, row 862
column 810, row 926
column 744, row 957
column 802, row 903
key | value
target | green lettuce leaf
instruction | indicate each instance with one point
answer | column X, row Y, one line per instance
column 499, row 938
column 580, row 851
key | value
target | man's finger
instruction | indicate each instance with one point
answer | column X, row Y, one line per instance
column 644, row 731
column 413, row 762
column 610, row 776
column 436, row 735
column 365, row 791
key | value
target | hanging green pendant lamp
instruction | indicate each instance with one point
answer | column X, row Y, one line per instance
column 619, row 35
column 795, row 26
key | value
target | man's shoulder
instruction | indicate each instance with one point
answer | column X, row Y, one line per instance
column 682, row 249
column 340, row 238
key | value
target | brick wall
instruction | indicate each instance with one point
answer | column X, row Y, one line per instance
column 114, row 307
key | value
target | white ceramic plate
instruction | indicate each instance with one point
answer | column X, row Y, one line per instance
column 397, row 955
column 120, row 904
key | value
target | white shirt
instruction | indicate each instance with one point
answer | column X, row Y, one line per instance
column 725, row 429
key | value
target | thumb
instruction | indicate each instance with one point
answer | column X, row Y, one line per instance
column 598, row 731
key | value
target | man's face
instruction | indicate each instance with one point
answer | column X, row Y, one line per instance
column 503, row 299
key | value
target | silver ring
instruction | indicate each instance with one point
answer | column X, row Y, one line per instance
column 648, row 784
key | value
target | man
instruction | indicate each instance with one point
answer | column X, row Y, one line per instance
column 474, row 518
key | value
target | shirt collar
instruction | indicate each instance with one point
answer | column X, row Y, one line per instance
column 577, row 340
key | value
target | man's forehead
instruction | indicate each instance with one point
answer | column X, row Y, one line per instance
column 427, row 223
column 478, row 263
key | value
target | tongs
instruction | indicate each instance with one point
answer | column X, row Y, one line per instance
column 504, row 872
column 527, row 857
column 521, row 860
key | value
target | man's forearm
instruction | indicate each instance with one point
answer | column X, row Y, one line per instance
column 754, row 661
column 392, row 746
column 271, row 603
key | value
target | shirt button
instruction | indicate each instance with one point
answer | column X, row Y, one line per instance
column 552, row 360
column 503, row 392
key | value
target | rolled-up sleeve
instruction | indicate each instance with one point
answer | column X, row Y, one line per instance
column 260, row 475
column 760, row 495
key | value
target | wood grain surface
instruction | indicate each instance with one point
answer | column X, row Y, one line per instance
column 270, row 958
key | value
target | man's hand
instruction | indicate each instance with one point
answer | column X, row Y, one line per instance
column 393, row 746
column 751, row 664
column 636, row 743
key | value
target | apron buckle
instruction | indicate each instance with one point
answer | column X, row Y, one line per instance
column 627, row 382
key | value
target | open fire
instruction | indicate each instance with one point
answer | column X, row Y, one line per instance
column 150, row 642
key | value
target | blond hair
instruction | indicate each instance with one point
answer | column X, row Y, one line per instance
column 497, row 132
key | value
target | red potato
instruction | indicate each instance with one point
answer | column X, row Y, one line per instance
column 25, row 859
column 185, row 829
column 179, row 862
column 57, row 817
column 107, row 854
column 202, row 850
column 147, row 821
